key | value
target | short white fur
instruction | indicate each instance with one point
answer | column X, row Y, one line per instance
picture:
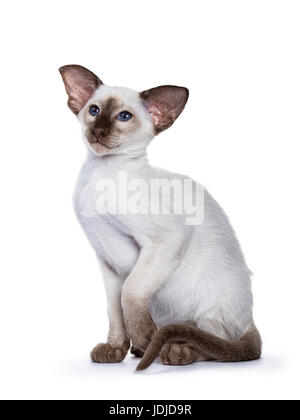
column 194, row 274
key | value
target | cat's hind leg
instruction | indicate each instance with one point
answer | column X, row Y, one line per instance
column 180, row 354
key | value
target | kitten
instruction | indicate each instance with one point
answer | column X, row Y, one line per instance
column 178, row 290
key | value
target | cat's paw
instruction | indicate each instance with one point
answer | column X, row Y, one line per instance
column 142, row 336
column 108, row 353
column 136, row 352
column 178, row 354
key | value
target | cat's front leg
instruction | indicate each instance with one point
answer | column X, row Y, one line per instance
column 117, row 345
column 140, row 325
column 155, row 265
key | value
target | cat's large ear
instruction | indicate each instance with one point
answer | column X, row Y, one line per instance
column 164, row 104
column 80, row 84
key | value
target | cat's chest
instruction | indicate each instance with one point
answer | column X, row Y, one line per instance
column 110, row 237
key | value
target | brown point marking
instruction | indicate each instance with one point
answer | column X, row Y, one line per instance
column 164, row 104
column 214, row 348
column 103, row 127
column 80, row 84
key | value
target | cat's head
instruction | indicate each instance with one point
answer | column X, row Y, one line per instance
column 118, row 120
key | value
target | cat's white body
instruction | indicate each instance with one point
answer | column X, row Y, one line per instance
column 160, row 269
column 209, row 283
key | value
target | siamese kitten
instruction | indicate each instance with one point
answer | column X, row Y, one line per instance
column 174, row 289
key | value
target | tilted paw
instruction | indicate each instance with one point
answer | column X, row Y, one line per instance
column 141, row 337
column 108, row 353
column 136, row 352
column 178, row 354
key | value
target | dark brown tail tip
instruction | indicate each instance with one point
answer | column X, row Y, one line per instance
column 144, row 363
column 155, row 346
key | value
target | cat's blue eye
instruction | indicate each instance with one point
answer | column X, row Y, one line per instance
column 124, row 116
column 94, row 110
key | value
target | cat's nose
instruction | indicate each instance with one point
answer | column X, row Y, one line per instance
column 99, row 132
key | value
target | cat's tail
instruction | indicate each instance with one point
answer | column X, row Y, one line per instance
column 214, row 348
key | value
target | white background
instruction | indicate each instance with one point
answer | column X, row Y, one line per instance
column 239, row 135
